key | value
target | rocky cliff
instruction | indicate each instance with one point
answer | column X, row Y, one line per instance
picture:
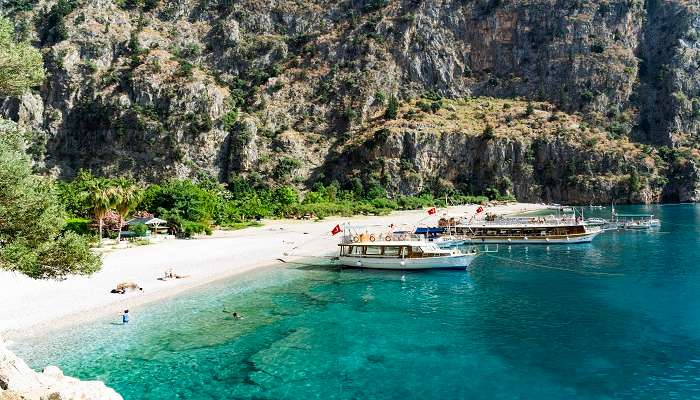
column 280, row 89
column 19, row 382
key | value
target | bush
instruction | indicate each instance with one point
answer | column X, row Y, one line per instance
column 181, row 197
column 185, row 69
column 374, row 5
column 489, row 132
column 139, row 229
column 81, row 226
column 587, row 95
column 597, row 48
column 424, row 106
column 286, row 167
column 529, row 109
column 190, row 228
column 229, row 119
column 392, row 108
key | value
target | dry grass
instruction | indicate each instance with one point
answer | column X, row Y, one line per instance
column 510, row 121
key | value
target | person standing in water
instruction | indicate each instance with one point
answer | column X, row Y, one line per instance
column 125, row 317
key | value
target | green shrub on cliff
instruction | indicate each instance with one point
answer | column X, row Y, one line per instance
column 374, row 5
column 392, row 108
column 54, row 28
column 21, row 65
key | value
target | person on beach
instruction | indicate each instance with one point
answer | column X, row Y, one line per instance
column 125, row 317
column 170, row 274
column 124, row 286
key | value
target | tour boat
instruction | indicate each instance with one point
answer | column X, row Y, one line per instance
column 518, row 230
column 402, row 255
column 633, row 221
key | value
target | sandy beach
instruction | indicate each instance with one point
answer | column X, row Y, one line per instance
column 31, row 307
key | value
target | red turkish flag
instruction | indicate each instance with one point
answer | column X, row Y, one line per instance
column 336, row 230
column 479, row 210
column 432, row 211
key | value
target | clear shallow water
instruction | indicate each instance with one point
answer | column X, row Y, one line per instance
column 501, row 330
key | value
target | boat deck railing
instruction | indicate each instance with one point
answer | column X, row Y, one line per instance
column 368, row 237
column 524, row 222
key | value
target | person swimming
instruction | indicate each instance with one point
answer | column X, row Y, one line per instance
column 125, row 317
column 234, row 314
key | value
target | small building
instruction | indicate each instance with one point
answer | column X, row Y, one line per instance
column 155, row 225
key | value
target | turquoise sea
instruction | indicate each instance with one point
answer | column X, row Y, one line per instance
column 501, row 330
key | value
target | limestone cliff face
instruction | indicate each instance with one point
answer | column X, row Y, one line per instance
column 178, row 87
column 19, row 382
column 534, row 157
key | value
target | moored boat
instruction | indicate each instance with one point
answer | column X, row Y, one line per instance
column 402, row 255
column 634, row 221
column 519, row 230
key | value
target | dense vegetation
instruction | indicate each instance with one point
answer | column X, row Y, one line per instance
column 32, row 239
column 31, row 220
column 197, row 206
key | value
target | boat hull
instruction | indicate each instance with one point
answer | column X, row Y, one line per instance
column 571, row 239
column 459, row 261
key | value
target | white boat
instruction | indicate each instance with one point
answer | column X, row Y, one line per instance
column 518, row 230
column 402, row 255
column 597, row 221
column 634, row 221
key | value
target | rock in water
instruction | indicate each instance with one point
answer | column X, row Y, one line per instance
column 19, row 382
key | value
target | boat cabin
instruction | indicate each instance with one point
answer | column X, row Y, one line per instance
column 521, row 231
column 391, row 250
column 632, row 217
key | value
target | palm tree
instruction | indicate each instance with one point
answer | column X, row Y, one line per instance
column 102, row 199
column 128, row 198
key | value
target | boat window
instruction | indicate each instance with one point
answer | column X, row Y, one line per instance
column 416, row 249
column 356, row 250
column 392, row 250
column 345, row 250
column 373, row 250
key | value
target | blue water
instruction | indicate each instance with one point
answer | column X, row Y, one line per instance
column 501, row 330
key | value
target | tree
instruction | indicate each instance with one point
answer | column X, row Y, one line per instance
column 21, row 65
column 392, row 108
column 102, row 198
column 32, row 219
column 489, row 132
column 529, row 109
column 127, row 197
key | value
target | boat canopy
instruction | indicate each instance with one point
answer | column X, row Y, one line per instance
column 413, row 243
column 429, row 231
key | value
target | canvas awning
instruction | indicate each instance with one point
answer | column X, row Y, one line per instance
column 147, row 221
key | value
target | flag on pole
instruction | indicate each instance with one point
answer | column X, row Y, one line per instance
column 336, row 230
column 480, row 210
column 432, row 211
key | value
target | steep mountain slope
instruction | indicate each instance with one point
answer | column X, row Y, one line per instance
column 279, row 89
column 478, row 145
